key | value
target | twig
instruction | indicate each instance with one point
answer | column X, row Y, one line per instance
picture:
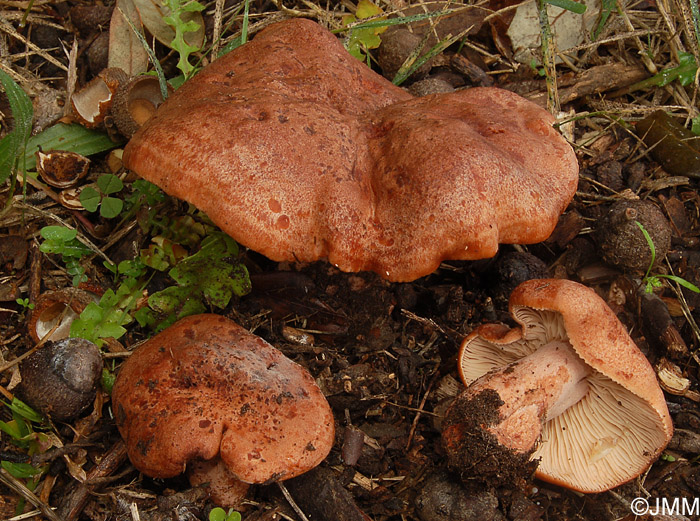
column 74, row 503
column 414, row 425
column 291, row 501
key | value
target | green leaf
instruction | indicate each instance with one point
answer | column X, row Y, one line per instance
column 210, row 277
column 682, row 282
column 650, row 243
column 12, row 145
column 361, row 39
column 569, row 5
column 684, row 72
column 607, row 7
column 20, row 470
column 90, row 198
column 687, row 68
column 111, row 207
column 217, row 514
column 26, row 412
column 244, row 25
column 695, row 127
column 62, row 241
column 109, row 184
column 107, row 380
column 12, row 429
column 58, row 233
column 181, row 27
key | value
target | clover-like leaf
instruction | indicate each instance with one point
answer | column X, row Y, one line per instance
column 109, row 184
column 111, row 207
column 90, row 198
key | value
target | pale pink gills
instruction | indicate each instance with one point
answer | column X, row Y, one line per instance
column 301, row 152
column 207, row 388
column 576, row 391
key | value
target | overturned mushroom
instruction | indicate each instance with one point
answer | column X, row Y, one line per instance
column 568, row 387
column 207, row 389
column 301, row 152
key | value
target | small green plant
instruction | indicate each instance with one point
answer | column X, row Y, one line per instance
column 110, row 207
column 361, row 39
column 652, row 281
column 107, row 379
column 107, row 318
column 219, row 514
column 684, row 72
column 22, row 432
column 62, row 241
column 209, row 278
column 24, row 302
column 175, row 19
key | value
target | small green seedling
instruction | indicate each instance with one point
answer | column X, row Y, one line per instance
column 24, row 302
column 107, row 379
column 361, row 39
column 652, row 281
column 62, row 241
column 107, row 318
column 219, row 514
column 109, row 206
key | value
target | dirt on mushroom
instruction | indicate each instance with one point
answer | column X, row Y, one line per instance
column 475, row 454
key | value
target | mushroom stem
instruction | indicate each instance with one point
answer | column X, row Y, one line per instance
column 534, row 390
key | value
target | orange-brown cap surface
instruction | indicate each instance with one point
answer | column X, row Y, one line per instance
column 621, row 425
column 301, row 152
column 205, row 387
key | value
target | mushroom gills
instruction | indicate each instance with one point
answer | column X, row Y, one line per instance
column 534, row 390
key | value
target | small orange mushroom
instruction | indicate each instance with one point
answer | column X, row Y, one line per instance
column 207, row 389
column 301, row 152
column 568, row 386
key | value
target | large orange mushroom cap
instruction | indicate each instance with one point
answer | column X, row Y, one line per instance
column 301, row 152
column 205, row 388
column 618, row 423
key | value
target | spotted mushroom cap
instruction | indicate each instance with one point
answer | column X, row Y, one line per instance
column 301, row 152
column 621, row 426
column 204, row 387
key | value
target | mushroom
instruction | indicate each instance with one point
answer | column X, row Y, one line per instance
column 567, row 387
column 301, row 152
column 207, row 389
column 92, row 103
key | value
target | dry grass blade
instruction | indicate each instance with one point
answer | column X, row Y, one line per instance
column 14, row 484
column 7, row 28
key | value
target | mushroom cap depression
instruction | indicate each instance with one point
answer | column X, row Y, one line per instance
column 204, row 387
column 622, row 423
column 301, row 152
